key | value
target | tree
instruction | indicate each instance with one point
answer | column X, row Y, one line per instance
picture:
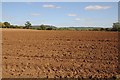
column 102, row 29
column 6, row 24
column 42, row 27
column 49, row 28
column 2, row 25
column 27, row 25
column 107, row 29
column 116, row 26
column 96, row 29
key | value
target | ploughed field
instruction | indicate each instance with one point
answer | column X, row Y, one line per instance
column 59, row 54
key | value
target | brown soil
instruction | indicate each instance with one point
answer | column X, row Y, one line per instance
column 34, row 53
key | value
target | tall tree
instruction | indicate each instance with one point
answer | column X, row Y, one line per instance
column 6, row 24
column 28, row 25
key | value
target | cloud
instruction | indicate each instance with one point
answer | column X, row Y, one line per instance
column 29, row 3
column 7, row 17
column 58, row 7
column 35, row 14
column 50, row 6
column 72, row 15
column 77, row 19
column 97, row 7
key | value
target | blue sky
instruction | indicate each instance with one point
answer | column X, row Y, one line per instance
column 95, row 14
column 0, row 11
column 59, row 0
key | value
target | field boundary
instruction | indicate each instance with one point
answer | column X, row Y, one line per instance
column 0, row 53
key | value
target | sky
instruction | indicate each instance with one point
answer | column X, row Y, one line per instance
column 61, row 14
column 0, row 12
column 59, row 0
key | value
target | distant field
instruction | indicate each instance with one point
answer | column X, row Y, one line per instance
column 36, row 53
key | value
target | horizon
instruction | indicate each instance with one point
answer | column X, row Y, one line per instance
column 64, row 26
column 95, row 14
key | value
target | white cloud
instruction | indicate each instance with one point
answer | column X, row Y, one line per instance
column 72, row 15
column 50, row 6
column 35, row 14
column 58, row 7
column 77, row 19
column 7, row 17
column 97, row 7
column 29, row 3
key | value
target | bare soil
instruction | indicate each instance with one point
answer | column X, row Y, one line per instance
column 60, row 54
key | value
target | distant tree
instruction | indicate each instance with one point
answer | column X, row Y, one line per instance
column 49, row 28
column 107, row 29
column 42, row 27
column 116, row 26
column 12, row 26
column 102, row 29
column 6, row 24
column 76, row 29
column 96, row 29
column 28, row 25
column 2, row 25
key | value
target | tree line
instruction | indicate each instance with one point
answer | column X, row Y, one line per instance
column 28, row 25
